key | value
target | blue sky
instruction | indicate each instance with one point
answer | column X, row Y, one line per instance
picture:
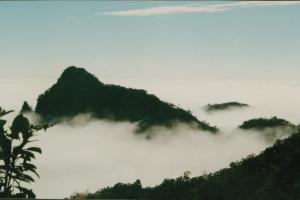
column 129, row 39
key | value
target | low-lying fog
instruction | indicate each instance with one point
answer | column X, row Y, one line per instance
column 94, row 153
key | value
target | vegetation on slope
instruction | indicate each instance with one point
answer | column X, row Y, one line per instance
column 272, row 175
column 224, row 106
column 78, row 91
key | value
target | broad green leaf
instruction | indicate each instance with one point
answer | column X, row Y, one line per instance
column 28, row 166
column 35, row 149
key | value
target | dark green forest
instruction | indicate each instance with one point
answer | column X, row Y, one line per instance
column 261, row 123
column 224, row 106
column 78, row 91
column 272, row 175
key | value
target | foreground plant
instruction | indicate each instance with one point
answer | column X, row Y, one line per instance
column 16, row 156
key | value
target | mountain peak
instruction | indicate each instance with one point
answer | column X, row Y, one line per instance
column 77, row 91
column 76, row 74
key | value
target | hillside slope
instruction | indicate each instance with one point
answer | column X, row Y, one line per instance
column 272, row 175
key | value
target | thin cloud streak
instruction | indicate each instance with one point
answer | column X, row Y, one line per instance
column 211, row 8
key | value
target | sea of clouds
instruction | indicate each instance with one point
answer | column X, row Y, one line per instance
column 87, row 154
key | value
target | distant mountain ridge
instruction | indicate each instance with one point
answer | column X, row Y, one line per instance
column 262, row 123
column 78, row 91
column 224, row 106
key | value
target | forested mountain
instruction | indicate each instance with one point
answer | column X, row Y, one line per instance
column 224, row 106
column 78, row 91
column 261, row 123
column 272, row 175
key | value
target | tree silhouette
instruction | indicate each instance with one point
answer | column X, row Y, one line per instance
column 16, row 157
column 26, row 108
